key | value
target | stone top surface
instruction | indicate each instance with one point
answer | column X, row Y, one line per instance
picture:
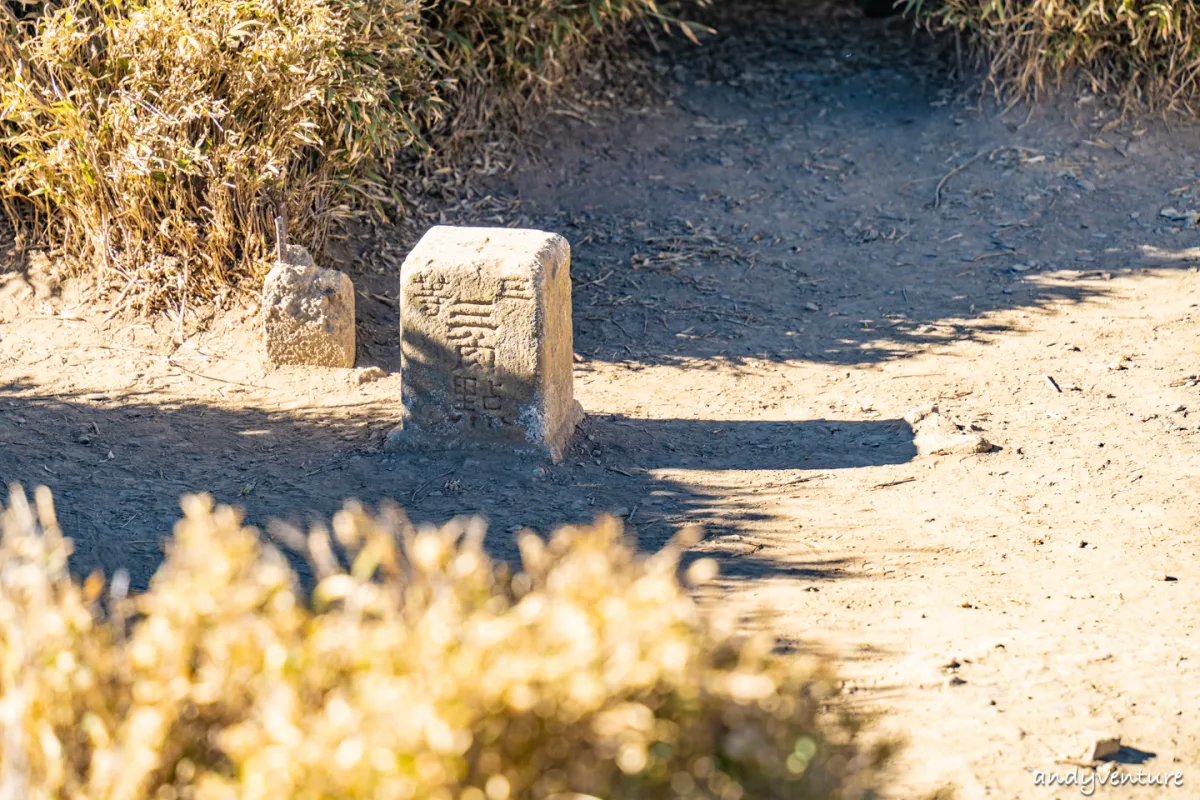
column 297, row 256
column 515, row 248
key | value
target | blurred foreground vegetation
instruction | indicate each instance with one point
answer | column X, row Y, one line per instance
column 418, row 668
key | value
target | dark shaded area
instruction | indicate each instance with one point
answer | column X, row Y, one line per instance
column 1132, row 755
column 754, row 445
column 735, row 568
column 138, row 457
column 876, row 9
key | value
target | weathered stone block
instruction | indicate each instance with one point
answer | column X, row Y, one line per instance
column 308, row 313
column 934, row 435
column 485, row 340
column 1101, row 748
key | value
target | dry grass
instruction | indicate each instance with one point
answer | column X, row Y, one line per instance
column 148, row 139
column 505, row 54
column 151, row 141
column 1146, row 54
column 420, row 670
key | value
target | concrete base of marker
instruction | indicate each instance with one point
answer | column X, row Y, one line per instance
column 411, row 438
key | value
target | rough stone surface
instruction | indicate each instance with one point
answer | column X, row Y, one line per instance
column 308, row 313
column 934, row 435
column 485, row 340
column 1100, row 748
column 369, row 375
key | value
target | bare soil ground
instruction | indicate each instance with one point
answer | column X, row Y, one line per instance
column 806, row 235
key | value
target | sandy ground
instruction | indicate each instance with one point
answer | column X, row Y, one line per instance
column 769, row 274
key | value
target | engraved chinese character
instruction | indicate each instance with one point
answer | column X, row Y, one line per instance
column 476, row 356
column 479, row 401
column 492, row 403
column 466, row 391
column 430, row 293
column 470, row 335
column 491, row 396
column 472, row 314
column 470, row 327
column 515, row 289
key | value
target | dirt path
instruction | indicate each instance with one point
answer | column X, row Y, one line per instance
column 763, row 289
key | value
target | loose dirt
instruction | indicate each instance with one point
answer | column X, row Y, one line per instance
column 806, row 235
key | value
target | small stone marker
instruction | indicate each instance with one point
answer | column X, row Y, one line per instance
column 934, row 435
column 1100, row 748
column 307, row 311
column 485, row 340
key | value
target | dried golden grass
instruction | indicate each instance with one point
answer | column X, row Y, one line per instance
column 150, row 141
column 147, row 138
column 505, row 54
column 423, row 670
column 1145, row 54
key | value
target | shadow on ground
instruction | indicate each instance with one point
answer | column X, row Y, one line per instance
column 118, row 465
column 822, row 444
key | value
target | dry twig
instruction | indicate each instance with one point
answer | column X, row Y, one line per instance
column 988, row 154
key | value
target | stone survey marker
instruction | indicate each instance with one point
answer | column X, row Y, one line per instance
column 485, row 340
column 307, row 313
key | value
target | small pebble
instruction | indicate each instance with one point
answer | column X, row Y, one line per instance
column 1102, row 748
column 369, row 375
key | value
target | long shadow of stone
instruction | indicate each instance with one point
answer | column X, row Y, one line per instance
column 819, row 444
column 118, row 466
